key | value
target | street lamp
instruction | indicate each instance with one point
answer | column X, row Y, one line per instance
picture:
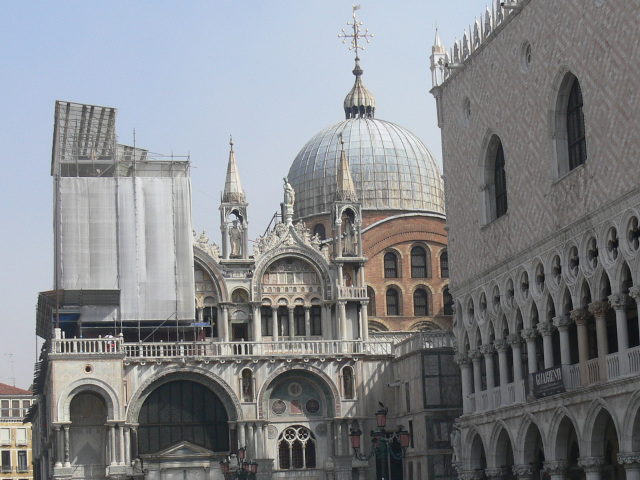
column 381, row 439
column 235, row 467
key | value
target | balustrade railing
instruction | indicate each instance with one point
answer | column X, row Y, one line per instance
column 284, row 348
column 352, row 292
column 511, row 394
column 593, row 370
column 634, row 359
column 613, row 366
column 572, row 381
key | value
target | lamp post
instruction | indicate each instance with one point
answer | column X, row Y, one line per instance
column 235, row 467
column 382, row 440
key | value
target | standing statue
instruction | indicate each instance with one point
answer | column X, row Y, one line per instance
column 350, row 242
column 455, row 444
column 235, row 237
column 289, row 193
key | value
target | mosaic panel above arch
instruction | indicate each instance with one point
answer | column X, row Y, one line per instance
column 291, row 277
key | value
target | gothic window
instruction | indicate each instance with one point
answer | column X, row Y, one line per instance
column 298, row 321
column 348, row 383
column 179, row 411
column 444, row 264
column 320, row 231
column 266, row 321
column 210, row 316
column 420, row 263
column 390, row 265
column 316, row 320
column 393, row 302
column 447, row 302
column 371, row 306
column 297, row 448
column 575, row 127
column 500, row 182
column 421, row 303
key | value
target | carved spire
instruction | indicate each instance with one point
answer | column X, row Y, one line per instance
column 346, row 190
column 233, row 192
column 359, row 102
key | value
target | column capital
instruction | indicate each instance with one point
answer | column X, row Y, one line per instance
column 580, row 316
column 470, row 475
column 291, row 308
column 501, row 345
column 563, row 322
column 619, row 301
column 487, row 349
column 522, row 471
column 545, row 328
column 599, row 308
column 514, row 339
column 495, row 473
column 461, row 358
column 590, row 464
column 342, row 303
column 364, row 303
column 629, row 459
column 634, row 292
column 557, row 467
column 475, row 355
column 307, row 307
column 529, row 334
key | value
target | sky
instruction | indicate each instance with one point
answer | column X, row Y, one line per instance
column 185, row 76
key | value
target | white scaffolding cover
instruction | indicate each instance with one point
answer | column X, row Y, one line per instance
column 133, row 234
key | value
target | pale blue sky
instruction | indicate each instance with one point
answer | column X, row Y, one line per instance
column 186, row 75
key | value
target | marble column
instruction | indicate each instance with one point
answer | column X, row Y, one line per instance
column 620, row 303
column 364, row 320
column 599, row 311
column 242, row 441
column 224, row 325
column 516, row 348
column 634, row 292
column 546, row 330
column 127, row 445
column 338, row 433
column 274, row 323
column 112, row 443
column 325, row 316
column 257, row 321
column 476, row 358
column 502, row 346
column 57, row 450
column 307, row 322
column 120, row 444
column 259, row 440
column 67, row 446
column 462, row 359
column 562, row 323
column 631, row 463
column 251, row 450
column 529, row 335
column 556, row 469
column 292, row 331
column 581, row 317
column 487, row 351
column 342, row 319
column 592, row 467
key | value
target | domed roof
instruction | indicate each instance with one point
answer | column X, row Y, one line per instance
column 391, row 169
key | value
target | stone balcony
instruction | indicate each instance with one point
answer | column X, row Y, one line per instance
column 352, row 293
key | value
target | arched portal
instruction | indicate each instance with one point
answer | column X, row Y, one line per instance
column 182, row 411
column 87, row 433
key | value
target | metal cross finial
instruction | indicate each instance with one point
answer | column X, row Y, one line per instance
column 357, row 33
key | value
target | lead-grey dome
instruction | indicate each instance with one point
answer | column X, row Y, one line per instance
column 391, row 168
